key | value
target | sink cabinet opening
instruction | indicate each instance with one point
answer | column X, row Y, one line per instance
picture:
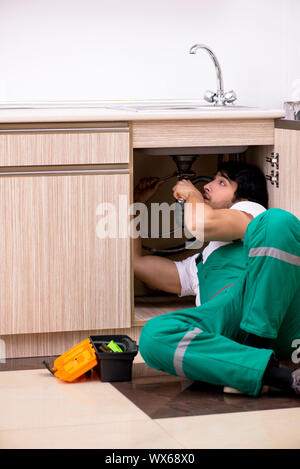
column 149, row 301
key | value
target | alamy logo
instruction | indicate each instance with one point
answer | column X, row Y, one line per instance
column 159, row 220
column 296, row 354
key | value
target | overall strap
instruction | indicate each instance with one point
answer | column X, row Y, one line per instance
column 199, row 258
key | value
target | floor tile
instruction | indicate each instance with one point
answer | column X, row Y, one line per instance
column 40, row 411
column 269, row 429
column 144, row 434
column 165, row 398
column 35, row 398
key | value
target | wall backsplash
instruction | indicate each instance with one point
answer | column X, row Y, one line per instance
column 111, row 49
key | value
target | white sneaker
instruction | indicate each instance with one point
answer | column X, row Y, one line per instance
column 265, row 389
column 296, row 381
column 229, row 390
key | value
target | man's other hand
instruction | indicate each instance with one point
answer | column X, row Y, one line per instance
column 146, row 189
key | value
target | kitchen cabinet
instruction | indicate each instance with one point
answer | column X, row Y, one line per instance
column 57, row 274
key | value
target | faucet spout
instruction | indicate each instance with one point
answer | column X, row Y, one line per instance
column 220, row 97
column 194, row 49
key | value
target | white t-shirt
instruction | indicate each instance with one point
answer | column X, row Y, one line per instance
column 187, row 269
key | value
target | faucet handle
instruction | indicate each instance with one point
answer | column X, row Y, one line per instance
column 210, row 96
column 230, row 96
column 217, row 98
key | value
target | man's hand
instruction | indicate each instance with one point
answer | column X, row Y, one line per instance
column 146, row 189
column 187, row 191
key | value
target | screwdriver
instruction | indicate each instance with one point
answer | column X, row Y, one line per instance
column 164, row 178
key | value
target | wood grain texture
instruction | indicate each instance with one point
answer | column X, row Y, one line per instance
column 56, row 343
column 63, row 148
column 56, row 274
column 202, row 133
column 287, row 144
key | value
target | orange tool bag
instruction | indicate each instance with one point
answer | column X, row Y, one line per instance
column 75, row 362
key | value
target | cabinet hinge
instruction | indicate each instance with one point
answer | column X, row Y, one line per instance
column 273, row 177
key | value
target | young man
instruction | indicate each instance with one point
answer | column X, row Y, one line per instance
column 247, row 295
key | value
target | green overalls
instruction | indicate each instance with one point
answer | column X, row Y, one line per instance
column 254, row 288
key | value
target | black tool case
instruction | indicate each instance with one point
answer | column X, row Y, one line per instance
column 114, row 366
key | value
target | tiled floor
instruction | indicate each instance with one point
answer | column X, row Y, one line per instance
column 37, row 410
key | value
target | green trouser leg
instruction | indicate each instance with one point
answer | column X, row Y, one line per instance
column 203, row 343
column 271, row 296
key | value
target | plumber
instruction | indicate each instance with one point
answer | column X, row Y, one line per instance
column 246, row 282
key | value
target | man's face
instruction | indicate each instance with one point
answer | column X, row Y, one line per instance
column 219, row 193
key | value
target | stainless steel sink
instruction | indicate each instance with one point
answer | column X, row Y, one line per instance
column 171, row 106
column 129, row 106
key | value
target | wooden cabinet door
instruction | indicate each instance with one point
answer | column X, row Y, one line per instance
column 287, row 145
column 56, row 273
column 286, row 194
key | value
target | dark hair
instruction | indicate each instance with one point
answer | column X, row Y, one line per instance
column 251, row 181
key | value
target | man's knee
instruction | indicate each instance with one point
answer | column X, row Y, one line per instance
column 281, row 219
column 276, row 227
column 283, row 229
column 148, row 334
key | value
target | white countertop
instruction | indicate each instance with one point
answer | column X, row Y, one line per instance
column 96, row 114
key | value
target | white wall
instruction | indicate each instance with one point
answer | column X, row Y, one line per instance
column 138, row 49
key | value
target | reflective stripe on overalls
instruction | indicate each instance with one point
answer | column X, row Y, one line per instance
column 181, row 349
column 205, row 343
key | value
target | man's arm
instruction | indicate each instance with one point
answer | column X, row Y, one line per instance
column 225, row 224
column 214, row 225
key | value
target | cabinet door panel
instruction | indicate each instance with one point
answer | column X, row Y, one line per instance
column 287, row 196
column 287, row 145
column 56, row 274
column 190, row 133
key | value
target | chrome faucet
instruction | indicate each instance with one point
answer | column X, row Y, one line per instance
column 220, row 97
